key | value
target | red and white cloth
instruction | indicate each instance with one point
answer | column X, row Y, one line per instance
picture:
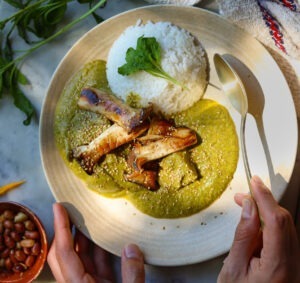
column 276, row 23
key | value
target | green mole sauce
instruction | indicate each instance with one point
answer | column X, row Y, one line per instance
column 189, row 180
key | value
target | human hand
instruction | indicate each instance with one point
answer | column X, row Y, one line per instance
column 80, row 260
column 267, row 254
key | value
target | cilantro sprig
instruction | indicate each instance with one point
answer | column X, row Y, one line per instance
column 146, row 57
column 36, row 22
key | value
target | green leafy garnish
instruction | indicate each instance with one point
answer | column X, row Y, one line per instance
column 10, row 79
column 36, row 22
column 146, row 57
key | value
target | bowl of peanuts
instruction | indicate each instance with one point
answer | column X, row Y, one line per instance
column 23, row 244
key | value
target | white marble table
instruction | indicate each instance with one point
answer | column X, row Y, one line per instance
column 19, row 145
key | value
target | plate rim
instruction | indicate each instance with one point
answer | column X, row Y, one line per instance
column 46, row 98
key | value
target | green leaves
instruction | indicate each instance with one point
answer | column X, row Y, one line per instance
column 36, row 23
column 10, row 79
column 36, row 18
column 146, row 57
column 16, row 4
column 20, row 100
column 97, row 18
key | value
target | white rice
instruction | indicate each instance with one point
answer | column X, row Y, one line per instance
column 183, row 58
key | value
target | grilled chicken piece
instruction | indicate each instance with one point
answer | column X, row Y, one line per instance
column 113, row 108
column 151, row 147
column 146, row 178
column 113, row 137
column 160, row 127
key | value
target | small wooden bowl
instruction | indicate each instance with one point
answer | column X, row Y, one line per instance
column 32, row 272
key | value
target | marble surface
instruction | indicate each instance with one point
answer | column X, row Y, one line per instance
column 19, row 145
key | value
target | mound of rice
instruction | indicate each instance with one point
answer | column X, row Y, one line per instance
column 183, row 58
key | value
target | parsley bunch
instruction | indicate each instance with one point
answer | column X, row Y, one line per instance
column 36, row 23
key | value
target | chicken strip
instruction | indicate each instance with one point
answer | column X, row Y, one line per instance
column 113, row 137
column 151, row 147
column 113, row 108
column 146, row 178
column 158, row 129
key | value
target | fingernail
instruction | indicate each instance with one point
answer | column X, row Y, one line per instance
column 257, row 180
column 54, row 209
column 259, row 183
column 132, row 251
column 241, row 195
column 247, row 208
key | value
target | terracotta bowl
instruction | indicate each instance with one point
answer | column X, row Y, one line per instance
column 21, row 268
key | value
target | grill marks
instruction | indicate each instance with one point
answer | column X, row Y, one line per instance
column 112, row 138
column 162, row 139
column 130, row 125
column 114, row 109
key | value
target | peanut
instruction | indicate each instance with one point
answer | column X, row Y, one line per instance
column 27, row 243
column 19, row 242
column 2, row 247
column 19, row 267
column 9, row 242
column 20, row 227
column 6, row 232
column 36, row 249
column 8, row 214
column 5, row 253
column 32, row 235
column 27, row 251
column 20, row 255
column 12, row 257
column 9, row 224
column 15, row 236
column 29, row 225
column 20, row 217
column 30, row 260
column 8, row 264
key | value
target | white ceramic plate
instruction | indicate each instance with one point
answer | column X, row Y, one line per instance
column 112, row 223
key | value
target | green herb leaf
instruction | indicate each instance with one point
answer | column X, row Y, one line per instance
column 2, row 24
column 21, row 78
column 36, row 22
column 20, row 100
column 146, row 57
column 2, row 63
column 7, row 51
column 23, row 103
column 97, row 18
column 1, row 85
column 16, row 4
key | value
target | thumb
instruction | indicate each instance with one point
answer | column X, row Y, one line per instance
column 246, row 237
column 133, row 270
